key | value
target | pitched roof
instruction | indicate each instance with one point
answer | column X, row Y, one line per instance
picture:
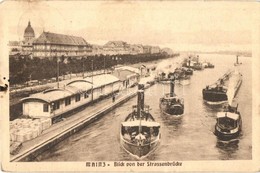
column 53, row 38
column 101, row 80
column 49, row 95
column 116, row 44
column 123, row 74
column 13, row 43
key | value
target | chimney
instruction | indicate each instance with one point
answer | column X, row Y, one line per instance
column 140, row 99
column 172, row 87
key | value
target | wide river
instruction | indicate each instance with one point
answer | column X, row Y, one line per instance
column 190, row 138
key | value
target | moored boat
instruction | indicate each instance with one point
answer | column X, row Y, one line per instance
column 208, row 65
column 140, row 133
column 171, row 105
column 229, row 124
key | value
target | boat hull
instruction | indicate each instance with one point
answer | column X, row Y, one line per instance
column 227, row 136
column 213, row 96
column 139, row 151
column 172, row 110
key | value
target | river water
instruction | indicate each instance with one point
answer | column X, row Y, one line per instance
column 190, row 138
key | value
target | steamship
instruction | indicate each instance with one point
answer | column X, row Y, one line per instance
column 218, row 92
column 229, row 124
column 171, row 105
column 140, row 133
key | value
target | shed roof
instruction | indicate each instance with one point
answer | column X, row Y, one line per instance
column 123, row 74
column 79, row 86
column 103, row 79
column 49, row 95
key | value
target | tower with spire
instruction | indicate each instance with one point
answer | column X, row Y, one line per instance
column 28, row 33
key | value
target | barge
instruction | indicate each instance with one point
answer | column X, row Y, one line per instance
column 225, row 86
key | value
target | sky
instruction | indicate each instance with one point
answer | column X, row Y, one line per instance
column 182, row 26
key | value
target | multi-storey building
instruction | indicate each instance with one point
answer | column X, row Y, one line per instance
column 147, row 49
column 136, row 49
column 56, row 45
column 116, row 47
column 155, row 49
column 167, row 50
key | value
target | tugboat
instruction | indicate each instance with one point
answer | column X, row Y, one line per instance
column 217, row 92
column 237, row 63
column 140, row 133
column 229, row 124
column 171, row 105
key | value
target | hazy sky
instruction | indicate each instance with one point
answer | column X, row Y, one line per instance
column 179, row 25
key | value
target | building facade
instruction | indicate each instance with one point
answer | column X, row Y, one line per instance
column 155, row 49
column 116, row 47
column 136, row 49
column 49, row 45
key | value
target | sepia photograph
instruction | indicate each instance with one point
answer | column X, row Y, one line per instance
column 130, row 85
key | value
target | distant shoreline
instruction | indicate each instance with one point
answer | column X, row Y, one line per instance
column 246, row 54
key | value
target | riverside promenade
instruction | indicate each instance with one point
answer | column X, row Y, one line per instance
column 61, row 130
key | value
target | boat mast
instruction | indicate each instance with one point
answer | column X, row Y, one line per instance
column 140, row 104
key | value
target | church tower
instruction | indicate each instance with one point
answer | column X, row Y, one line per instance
column 28, row 33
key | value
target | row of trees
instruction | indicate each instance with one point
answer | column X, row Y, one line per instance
column 25, row 68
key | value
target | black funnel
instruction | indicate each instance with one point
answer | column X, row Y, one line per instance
column 140, row 99
column 172, row 87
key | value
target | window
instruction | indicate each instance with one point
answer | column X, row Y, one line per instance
column 67, row 101
column 45, row 107
column 77, row 97
column 56, row 105
column 85, row 95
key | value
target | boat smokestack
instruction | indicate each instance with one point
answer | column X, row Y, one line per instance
column 237, row 59
column 140, row 99
column 172, row 87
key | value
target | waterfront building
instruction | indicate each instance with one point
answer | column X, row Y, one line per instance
column 14, row 47
column 136, row 49
column 54, row 102
column 97, row 49
column 127, row 77
column 167, row 50
column 147, row 49
column 49, row 45
column 155, row 49
column 116, row 47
